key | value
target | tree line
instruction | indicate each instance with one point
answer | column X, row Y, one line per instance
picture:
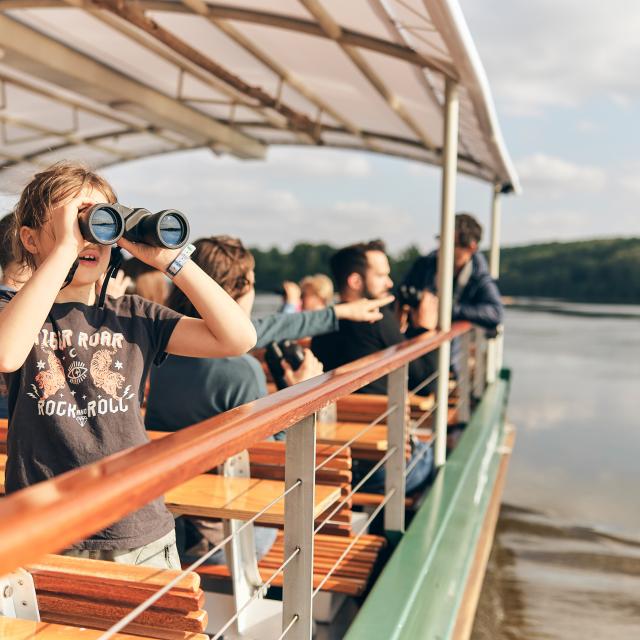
column 606, row 270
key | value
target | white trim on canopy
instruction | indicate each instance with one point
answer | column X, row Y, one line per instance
column 106, row 81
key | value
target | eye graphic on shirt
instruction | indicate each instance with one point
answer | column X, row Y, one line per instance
column 77, row 372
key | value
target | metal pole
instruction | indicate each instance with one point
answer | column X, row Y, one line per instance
column 464, row 381
column 494, row 347
column 300, row 462
column 445, row 262
column 396, row 437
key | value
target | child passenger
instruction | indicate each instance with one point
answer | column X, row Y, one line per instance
column 75, row 370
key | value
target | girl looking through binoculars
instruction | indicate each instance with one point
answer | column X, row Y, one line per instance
column 76, row 399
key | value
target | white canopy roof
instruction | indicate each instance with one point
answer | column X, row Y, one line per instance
column 107, row 81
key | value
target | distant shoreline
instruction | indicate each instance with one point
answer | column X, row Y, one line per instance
column 573, row 308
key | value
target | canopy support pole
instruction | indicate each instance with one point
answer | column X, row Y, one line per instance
column 494, row 347
column 445, row 262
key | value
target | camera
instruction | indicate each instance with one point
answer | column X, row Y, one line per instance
column 288, row 350
column 409, row 296
column 107, row 223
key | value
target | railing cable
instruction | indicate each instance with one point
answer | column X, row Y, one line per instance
column 257, row 594
column 357, row 537
column 141, row 608
column 346, row 499
column 424, row 383
column 410, row 467
column 358, row 435
column 286, row 630
column 422, row 419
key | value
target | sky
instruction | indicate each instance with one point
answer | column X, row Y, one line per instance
column 564, row 77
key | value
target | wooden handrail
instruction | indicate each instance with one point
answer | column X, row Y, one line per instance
column 51, row 515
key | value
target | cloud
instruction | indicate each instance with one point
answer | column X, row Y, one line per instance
column 555, row 175
column 327, row 163
column 557, row 54
column 630, row 179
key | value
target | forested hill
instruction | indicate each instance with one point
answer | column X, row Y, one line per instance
column 587, row 271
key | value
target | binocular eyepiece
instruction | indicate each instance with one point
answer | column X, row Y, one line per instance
column 107, row 223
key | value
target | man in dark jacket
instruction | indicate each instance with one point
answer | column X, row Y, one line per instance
column 475, row 294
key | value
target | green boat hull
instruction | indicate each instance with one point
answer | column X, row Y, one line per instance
column 420, row 591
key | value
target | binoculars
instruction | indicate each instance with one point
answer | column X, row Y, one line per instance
column 107, row 223
column 288, row 350
column 409, row 296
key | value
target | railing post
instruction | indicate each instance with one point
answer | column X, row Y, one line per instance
column 396, row 437
column 445, row 263
column 494, row 346
column 464, row 380
column 300, row 464
column 479, row 377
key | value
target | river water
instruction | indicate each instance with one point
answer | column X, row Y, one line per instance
column 566, row 558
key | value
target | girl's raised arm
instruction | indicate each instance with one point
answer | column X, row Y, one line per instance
column 224, row 329
column 23, row 317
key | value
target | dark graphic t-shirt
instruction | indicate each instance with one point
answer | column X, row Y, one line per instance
column 76, row 399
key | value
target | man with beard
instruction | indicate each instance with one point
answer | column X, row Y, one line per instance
column 362, row 271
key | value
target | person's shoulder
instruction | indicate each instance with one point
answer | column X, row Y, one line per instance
column 480, row 267
column 135, row 306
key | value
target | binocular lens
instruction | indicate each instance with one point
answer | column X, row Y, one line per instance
column 106, row 225
column 101, row 223
column 172, row 230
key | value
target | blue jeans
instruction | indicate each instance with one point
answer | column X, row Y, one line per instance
column 416, row 479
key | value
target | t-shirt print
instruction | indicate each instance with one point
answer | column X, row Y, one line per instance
column 76, row 399
column 81, row 376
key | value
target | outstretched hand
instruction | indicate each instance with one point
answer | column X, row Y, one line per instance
column 363, row 310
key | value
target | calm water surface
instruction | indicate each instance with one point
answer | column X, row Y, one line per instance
column 566, row 559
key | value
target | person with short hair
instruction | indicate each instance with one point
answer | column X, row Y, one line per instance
column 311, row 294
column 362, row 271
column 476, row 297
column 316, row 292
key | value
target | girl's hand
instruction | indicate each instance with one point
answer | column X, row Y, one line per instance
column 64, row 223
column 158, row 257
column 363, row 310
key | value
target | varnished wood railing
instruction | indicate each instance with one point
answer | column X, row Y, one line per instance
column 52, row 515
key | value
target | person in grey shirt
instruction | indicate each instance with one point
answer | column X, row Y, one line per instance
column 184, row 391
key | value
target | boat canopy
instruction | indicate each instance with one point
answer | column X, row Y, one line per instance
column 106, row 81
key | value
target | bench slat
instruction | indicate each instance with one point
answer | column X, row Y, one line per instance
column 238, row 498
column 14, row 629
column 194, row 621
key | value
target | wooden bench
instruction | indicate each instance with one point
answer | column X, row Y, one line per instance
column 212, row 496
column 96, row 594
column 14, row 629
column 350, row 578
